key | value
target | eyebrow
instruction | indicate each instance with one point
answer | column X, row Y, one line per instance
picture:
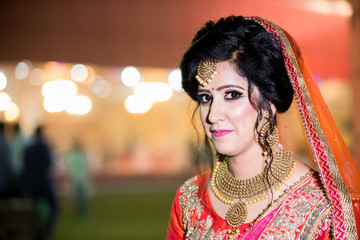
column 223, row 87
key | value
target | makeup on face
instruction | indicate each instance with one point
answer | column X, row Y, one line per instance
column 226, row 114
column 220, row 132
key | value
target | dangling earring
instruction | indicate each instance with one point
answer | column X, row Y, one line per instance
column 271, row 138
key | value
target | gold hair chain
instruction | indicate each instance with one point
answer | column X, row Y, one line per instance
column 206, row 72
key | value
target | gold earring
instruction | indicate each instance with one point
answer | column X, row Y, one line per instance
column 271, row 138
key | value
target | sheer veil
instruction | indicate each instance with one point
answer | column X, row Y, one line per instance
column 323, row 146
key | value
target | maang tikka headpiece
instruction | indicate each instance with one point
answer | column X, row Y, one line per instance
column 206, row 72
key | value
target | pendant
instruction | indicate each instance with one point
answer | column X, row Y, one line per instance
column 236, row 215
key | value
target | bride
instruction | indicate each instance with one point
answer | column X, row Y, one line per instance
column 244, row 73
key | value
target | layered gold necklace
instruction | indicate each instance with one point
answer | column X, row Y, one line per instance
column 227, row 188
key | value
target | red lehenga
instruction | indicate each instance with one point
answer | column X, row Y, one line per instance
column 302, row 213
column 315, row 208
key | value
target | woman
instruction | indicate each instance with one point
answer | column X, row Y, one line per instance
column 245, row 72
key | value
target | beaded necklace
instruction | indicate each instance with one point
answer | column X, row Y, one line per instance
column 227, row 188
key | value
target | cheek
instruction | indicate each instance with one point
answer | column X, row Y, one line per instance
column 203, row 117
column 244, row 115
column 203, row 114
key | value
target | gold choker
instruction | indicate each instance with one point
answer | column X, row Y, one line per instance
column 227, row 188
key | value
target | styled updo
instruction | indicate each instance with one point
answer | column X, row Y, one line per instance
column 253, row 52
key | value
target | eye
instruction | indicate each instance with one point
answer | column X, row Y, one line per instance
column 233, row 95
column 204, row 98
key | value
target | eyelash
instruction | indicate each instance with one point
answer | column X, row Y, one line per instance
column 236, row 93
column 202, row 100
column 230, row 95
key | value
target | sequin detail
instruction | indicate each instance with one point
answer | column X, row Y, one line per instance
column 298, row 214
column 195, row 227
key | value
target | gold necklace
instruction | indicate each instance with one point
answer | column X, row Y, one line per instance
column 227, row 188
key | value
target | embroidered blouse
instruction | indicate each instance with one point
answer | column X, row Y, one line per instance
column 303, row 213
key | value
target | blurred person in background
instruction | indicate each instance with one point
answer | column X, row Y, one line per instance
column 39, row 184
column 79, row 177
column 245, row 73
column 17, row 143
column 6, row 168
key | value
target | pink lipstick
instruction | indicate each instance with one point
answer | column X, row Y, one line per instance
column 220, row 132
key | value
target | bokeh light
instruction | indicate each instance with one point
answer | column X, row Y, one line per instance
column 100, row 86
column 59, row 88
column 22, row 69
column 3, row 81
column 55, row 70
column 145, row 94
column 174, row 80
column 137, row 104
column 91, row 75
column 12, row 112
column 342, row 8
column 79, row 105
column 153, row 91
column 52, row 105
column 79, row 72
column 105, row 87
column 37, row 77
column 5, row 101
column 58, row 94
column 130, row 76
column 95, row 84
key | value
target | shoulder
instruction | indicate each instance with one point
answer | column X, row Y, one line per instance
column 190, row 195
column 309, row 191
column 316, row 208
column 304, row 183
column 189, row 199
column 194, row 185
column 305, row 208
column 193, row 215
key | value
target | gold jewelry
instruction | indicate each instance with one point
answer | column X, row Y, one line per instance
column 236, row 215
column 227, row 188
column 271, row 138
column 206, row 72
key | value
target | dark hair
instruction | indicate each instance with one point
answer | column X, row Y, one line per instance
column 38, row 133
column 253, row 52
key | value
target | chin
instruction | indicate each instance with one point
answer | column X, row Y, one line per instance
column 225, row 151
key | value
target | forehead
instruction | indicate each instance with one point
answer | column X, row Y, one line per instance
column 225, row 75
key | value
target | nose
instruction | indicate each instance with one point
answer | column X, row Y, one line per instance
column 216, row 112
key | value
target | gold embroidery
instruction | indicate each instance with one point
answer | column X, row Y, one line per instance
column 344, row 195
column 192, row 210
column 350, row 227
column 320, row 221
column 343, row 191
column 307, row 204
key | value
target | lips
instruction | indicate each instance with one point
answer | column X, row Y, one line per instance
column 220, row 132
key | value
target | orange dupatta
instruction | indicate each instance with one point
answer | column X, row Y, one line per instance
column 338, row 170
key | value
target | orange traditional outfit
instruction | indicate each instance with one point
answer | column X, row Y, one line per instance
column 319, row 206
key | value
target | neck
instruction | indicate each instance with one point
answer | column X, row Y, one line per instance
column 247, row 165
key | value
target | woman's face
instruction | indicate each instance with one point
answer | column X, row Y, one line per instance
column 226, row 113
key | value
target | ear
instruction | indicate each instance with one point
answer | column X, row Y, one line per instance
column 273, row 109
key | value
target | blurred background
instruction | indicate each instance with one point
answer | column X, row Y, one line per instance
column 95, row 87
